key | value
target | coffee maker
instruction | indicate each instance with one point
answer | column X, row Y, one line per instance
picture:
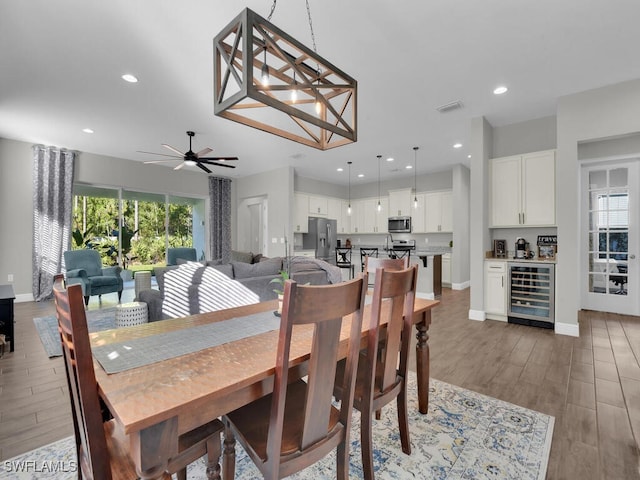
column 521, row 248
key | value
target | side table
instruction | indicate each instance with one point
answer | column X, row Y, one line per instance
column 132, row 313
column 6, row 314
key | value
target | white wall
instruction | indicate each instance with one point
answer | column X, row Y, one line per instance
column 481, row 151
column 277, row 187
column 460, row 252
column 523, row 137
column 595, row 114
column 16, row 215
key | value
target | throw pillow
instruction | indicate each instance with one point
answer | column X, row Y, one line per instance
column 261, row 269
column 245, row 257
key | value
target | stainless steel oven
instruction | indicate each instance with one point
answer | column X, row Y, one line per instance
column 399, row 225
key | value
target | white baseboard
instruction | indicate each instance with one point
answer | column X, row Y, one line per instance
column 478, row 315
column 426, row 296
column 24, row 297
column 571, row 329
column 461, row 286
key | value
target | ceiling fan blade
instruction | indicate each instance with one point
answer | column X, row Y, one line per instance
column 179, row 166
column 162, row 154
column 205, row 159
column 204, row 151
column 161, row 161
column 173, row 149
column 220, row 164
column 203, row 167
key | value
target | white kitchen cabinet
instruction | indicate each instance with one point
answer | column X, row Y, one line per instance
column 301, row 213
column 400, row 203
column 438, row 212
column 333, row 209
column 523, row 190
column 318, row 206
column 365, row 217
column 446, row 269
column 418, row 215
column 495, row 290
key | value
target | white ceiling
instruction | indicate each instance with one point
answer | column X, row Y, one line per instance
column 61, row 62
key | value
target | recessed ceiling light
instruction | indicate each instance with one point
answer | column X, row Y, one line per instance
column 500, row 90
column 87, row 130
column 127, row 77
column 468, row 156
column 408, row 167
column 360, row 175
column 390, row 159
column 457, row 145
column 340, row 169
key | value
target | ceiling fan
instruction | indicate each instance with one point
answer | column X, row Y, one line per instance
column 193, row 159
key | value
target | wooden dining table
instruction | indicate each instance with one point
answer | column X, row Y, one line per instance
column 156, row 403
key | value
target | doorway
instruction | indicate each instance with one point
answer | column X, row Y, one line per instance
column 610, row 214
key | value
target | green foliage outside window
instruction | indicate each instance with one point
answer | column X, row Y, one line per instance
column 95, row 225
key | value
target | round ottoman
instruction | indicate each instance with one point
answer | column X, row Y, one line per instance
column 132, row 313
column 142, row 281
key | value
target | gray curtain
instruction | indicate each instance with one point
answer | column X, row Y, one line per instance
column 220, row 221
column 52, row 204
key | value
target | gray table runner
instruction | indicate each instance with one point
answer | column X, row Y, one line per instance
column 121, row 356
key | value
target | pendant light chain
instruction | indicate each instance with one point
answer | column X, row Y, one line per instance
column 349, row 204
column 273, row 9
column 415, row 177
column 379, row 205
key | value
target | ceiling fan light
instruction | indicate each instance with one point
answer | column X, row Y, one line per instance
column 190, row 163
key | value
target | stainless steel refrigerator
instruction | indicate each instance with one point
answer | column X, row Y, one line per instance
column 321, row 238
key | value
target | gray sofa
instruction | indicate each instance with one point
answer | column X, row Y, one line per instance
column 256, row 277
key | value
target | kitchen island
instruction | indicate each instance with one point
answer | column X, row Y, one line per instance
column 429, row 261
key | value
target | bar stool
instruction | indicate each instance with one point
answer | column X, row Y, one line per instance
column 367, row 252
column 343, row 259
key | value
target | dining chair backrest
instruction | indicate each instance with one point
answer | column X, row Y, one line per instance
column 325, row 307
column 93, row 455
column 343, row 256
column 398, row 288
column 371, row 264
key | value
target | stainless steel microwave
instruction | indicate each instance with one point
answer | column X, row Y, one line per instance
column 399, row 225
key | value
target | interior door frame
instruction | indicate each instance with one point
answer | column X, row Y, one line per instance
column 628, row 304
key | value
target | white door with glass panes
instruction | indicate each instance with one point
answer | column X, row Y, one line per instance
column 610, row 242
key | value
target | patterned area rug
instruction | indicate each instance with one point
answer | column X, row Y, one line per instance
column 465, row 435
column 47, row 328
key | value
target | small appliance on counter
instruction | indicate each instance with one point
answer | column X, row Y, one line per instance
column 522, row 249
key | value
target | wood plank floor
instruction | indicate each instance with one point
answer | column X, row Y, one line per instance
column 590, row 384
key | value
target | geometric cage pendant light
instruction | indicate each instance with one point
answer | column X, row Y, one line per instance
column 268, row 80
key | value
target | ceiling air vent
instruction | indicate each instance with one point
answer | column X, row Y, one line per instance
column 449, row 106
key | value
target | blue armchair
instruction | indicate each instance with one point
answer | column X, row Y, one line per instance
column 84, row 267
column 184, row 253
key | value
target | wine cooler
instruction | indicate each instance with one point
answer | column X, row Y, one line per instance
column 531, row 293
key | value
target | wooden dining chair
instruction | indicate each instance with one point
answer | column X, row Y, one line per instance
column 297, row 425
column 371, row 264
column 383, row 366
column 102, row 449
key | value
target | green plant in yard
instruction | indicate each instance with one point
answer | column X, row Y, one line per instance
column 82, row 239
